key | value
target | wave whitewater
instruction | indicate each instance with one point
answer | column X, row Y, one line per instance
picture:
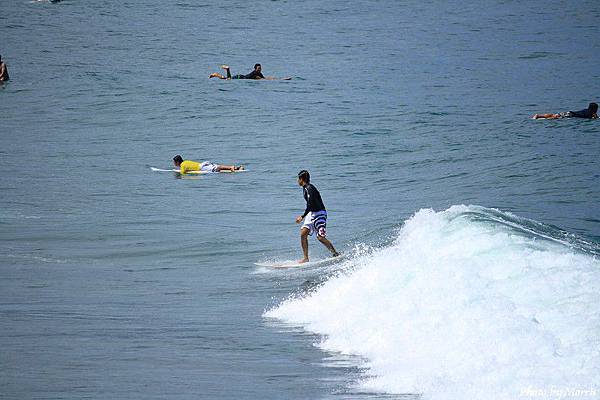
column 465, row 303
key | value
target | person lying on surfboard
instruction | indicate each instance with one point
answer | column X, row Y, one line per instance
column 3, row 71
column 315, row 217
column 256, row 74
column 206, row 166
column 588, row 113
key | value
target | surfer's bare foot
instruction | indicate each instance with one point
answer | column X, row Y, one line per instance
column 225, row 67
column 304, row 260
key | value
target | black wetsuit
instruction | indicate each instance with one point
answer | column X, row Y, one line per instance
column 587, row 113
column 252, row 75
column 313, row 200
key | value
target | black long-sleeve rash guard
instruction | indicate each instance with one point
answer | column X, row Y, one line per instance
column 587, row 113
column 253, row 75
column 313, row 200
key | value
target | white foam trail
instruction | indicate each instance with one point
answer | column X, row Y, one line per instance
column 464, row 308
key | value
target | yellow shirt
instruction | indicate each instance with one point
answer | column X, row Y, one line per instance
column 188, row 165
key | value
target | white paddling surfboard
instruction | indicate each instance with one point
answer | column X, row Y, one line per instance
column 296, row 264
column 193, row 172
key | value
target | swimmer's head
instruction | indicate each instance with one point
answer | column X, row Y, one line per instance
column 303, row 178
column 593, row 107
column 177, row 160
column 257, row 67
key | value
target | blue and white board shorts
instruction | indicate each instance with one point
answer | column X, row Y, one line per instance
column 207, row 166
column 316, row 221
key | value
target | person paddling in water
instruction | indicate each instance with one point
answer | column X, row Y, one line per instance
column 315, row 217
column 206, row 166
column 256, row 74
column 588, row 113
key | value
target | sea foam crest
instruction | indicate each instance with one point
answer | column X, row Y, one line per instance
column 467, row 303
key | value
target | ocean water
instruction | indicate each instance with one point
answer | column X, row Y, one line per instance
column 473, row 232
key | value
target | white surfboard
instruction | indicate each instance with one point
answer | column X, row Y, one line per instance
column 296, row 264
column 193, row 172
column 163, row 170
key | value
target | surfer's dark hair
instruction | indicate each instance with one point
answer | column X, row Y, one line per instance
column 257, row 65
column 178, row 159
column 304, row 175
column 593, row 107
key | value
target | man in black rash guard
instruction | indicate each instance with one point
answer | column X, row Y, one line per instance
column 315, row 217
column 256, row 74
column 588, row 113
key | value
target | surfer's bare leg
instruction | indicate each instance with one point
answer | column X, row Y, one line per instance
column 304, row 243
column 231, row 168
column 218, row 75
column 328, row 244
column 546, row 116
column 225, row 168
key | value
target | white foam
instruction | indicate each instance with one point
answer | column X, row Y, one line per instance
column 464, row 308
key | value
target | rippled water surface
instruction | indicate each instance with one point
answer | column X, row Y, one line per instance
column 120, row 282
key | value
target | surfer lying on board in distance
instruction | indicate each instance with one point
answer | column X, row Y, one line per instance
column 588, row 113
column 256, row 74
column 3, row 71
column 206, row 166
column 315, row 217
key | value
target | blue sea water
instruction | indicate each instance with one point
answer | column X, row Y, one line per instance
column 473, row 231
